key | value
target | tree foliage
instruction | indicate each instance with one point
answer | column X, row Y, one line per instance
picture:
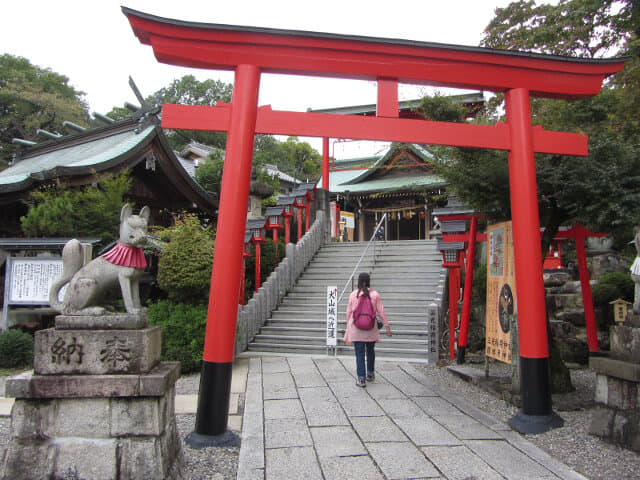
column 93, row 211
column 601, row 191
column 583, row 28
column 32, row 98
column 190, row 91
column 184, row 268
column 296, row 158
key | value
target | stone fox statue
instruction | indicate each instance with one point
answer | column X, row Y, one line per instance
column 123, row 265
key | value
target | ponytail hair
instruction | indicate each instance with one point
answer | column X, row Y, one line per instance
column 364, row 283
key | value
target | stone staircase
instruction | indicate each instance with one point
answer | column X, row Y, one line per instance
column 406, row 273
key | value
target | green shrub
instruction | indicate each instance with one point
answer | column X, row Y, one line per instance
column 610, row 287
column 16, row 349
column 184, row 268
column 183, row 326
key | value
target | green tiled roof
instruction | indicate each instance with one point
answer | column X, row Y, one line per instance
column 82, row 156
column 356, row 181
column 408, row 182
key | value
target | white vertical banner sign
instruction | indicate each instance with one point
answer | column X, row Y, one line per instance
column 332, row 316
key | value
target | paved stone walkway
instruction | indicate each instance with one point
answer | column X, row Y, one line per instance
column 304, row 418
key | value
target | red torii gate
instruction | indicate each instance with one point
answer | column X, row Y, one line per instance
column 250, row 51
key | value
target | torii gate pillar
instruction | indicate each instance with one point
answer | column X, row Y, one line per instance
column 536, row 415
column 217, row 360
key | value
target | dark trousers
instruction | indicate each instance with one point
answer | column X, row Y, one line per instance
column 360, row 348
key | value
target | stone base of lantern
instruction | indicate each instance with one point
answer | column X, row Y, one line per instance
column 617, row 389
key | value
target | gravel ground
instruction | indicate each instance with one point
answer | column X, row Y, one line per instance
column 570, row 444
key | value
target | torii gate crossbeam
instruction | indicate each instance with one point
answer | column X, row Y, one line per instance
column 251, row 51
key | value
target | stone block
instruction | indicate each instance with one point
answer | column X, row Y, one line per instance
column 82, row 417
column 32, row 419
column 18, row 386
column 86, row 458
column 141, row 458
column 601, row 389
column 555, row 277
column 136, row 416
column 117, row 321
column 96, row 352
column 620, row 430
column 160, row 379
column 622, row 394
column 615, row 368
column 28, row 461
column 625, row 343
column 602, row 422
column 83, row 386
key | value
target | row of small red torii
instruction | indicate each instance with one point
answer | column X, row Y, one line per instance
column 252, row 51
column 300, row 199
column 466, row 260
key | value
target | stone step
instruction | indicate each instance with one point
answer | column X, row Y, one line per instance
column 405, row 321
column 408, row 275
column 381, row 352
column 320, row 330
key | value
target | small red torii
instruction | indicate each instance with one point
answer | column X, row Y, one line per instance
column 576, row 232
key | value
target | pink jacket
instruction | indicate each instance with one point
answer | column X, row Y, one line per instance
column 353, row 334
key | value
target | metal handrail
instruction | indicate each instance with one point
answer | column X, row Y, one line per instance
column 372, row 239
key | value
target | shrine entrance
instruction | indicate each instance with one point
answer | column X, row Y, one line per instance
column 251, row 51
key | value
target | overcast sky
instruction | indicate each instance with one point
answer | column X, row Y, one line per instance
column 92, row 43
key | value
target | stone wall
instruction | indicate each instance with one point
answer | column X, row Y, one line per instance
column 253, row 315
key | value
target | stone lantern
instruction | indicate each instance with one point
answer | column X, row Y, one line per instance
column 256, row 226
column 274, row 214
column 286, row 202
column 300, row 202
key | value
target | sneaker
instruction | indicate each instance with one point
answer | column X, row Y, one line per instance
column 371, row 377
column 361, row 383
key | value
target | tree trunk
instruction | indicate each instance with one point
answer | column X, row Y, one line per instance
column 560, row 375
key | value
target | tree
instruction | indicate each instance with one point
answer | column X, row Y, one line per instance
column 32, row 98
column 190, row 91
column 93, row 211
column 601, row 191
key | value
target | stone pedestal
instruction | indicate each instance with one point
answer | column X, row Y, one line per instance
column 618, row 388
column 98, row 405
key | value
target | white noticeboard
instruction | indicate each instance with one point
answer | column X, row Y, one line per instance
column 27, row 282
column 332, row 316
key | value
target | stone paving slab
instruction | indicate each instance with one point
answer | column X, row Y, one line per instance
column 287, row 432
column 400, row 407
column 293, row 463
column 509, row 461
column 460, row 463
column 436, row 406
column 279, row 386
column 423, row 430
column 305, row 373
column 466, row 428
column 6, row 404
column 342, row 468
column 377, row 429
column 321, row 407
column 239, row 372
column 275, row 409
column 401, row 460
column 337, row 442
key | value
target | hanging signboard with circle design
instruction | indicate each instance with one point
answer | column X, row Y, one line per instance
column 501, row 291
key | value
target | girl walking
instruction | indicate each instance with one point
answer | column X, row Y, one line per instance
column 364, row 341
